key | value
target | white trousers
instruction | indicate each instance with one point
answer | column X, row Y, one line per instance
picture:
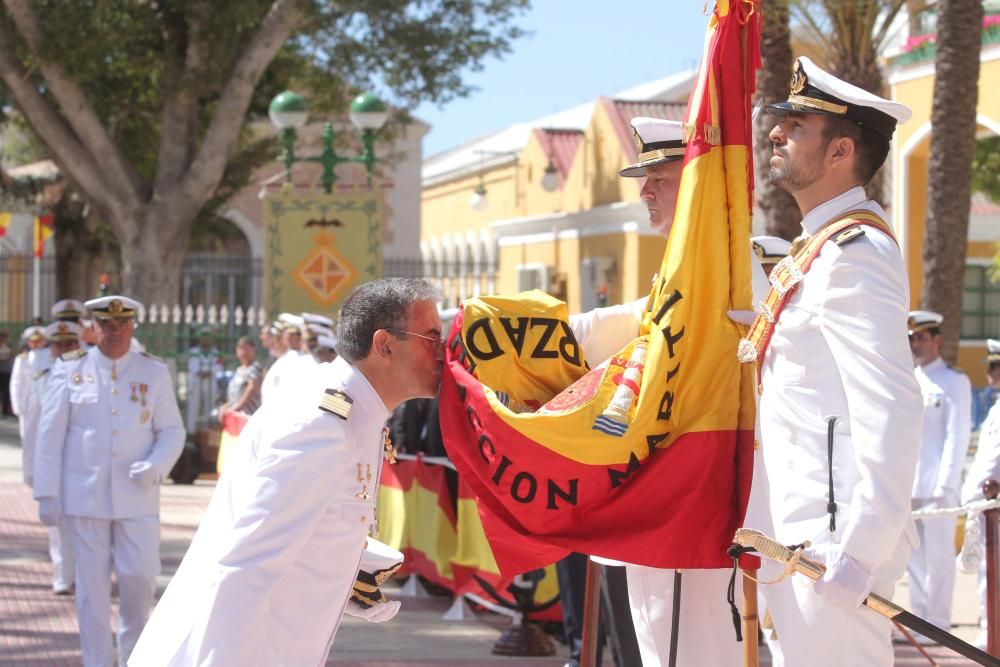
column 130, row 547
column 61, row 554
column 706, row 634
column 931, row 571
column 814, row 632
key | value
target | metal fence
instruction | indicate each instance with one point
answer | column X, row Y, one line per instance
column 223, row 297
column 18, row 278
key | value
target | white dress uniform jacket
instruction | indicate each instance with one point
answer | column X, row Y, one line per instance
column 39, row 365
column 275, row 380
column 92, row 428
column 947, row 427
column 986, row 463
column 706, row 637
column 268, row 575
column 20, row 379
column 840, row 350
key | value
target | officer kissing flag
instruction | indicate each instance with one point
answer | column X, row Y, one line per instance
column 646, row 458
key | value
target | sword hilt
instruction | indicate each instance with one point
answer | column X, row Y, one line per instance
column 771, row 548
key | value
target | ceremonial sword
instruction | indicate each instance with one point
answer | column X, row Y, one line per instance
column 770, row 548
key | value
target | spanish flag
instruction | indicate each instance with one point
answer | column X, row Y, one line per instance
column 647, row 458
column 4, row 223
column 44, row 229
column 232, row 426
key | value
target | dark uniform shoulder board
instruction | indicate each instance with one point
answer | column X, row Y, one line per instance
column 336, row 402
column 75, row 354
column 35, row 376
column 849, row 235
column 153, row 357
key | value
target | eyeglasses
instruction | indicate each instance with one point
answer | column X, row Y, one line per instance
column 436, row 342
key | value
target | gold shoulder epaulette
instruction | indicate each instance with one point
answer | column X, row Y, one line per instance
column 75, row 354
column 153, row 357
column 850, row 235
column 336, row 402
column 35, row 376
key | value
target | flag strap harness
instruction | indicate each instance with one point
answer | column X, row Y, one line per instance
column 790, row 271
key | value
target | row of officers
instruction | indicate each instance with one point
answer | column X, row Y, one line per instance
column 101, row 428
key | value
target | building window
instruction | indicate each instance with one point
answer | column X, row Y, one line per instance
column 532, row 276
column 980, row 303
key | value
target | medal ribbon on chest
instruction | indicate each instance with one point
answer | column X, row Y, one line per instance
column 143, row 390
column 388, row 451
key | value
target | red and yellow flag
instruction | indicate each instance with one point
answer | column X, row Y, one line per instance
column 44, row 229
column 4, row 223
column 647, row 458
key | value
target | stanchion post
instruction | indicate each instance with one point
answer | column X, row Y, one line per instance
column 591, row 615
column 991, row 518
column 749, row 565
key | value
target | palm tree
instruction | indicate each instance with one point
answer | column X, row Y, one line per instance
column 949, row 174
column 775, row 205
column 853, row 33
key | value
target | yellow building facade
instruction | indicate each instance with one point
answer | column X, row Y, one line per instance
column 541, row 205
column 911, row 81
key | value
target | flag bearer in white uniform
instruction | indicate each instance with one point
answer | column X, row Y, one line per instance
column 947, row 428
column 271, row 570
column 706, row 634
column 109, row 431
column 840, row 409
column 985, row 466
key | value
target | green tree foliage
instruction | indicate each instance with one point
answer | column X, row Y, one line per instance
column 986, row 168
column 145, row 105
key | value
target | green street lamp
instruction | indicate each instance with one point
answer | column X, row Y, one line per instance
column 288, row 111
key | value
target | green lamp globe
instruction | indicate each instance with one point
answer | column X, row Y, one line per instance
column 288, row 110
column 368, row 112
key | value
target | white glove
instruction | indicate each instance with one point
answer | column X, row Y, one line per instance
column 49, row 511
column 846, row 582
column 971, row 556
column 379, row 612
column 144, row 473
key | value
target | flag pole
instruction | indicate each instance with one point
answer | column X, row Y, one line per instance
column 36, row 294
column 591, row 614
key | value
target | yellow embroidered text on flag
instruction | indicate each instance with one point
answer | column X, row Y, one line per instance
column 645, row 459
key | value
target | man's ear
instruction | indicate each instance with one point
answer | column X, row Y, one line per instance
column 841, row 149
column 381, row 344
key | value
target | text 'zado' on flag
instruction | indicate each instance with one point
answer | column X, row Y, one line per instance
column 645, row 457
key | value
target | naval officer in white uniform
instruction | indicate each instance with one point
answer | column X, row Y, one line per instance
column 109, row 431
column 63, row 337
column 840, row 410
column 706, row 636
column 270, row 572
column 947, row 429
column 985, row 466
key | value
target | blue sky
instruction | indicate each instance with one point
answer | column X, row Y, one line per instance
column 578, row 50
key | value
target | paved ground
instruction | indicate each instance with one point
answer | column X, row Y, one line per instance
column 38, row 629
